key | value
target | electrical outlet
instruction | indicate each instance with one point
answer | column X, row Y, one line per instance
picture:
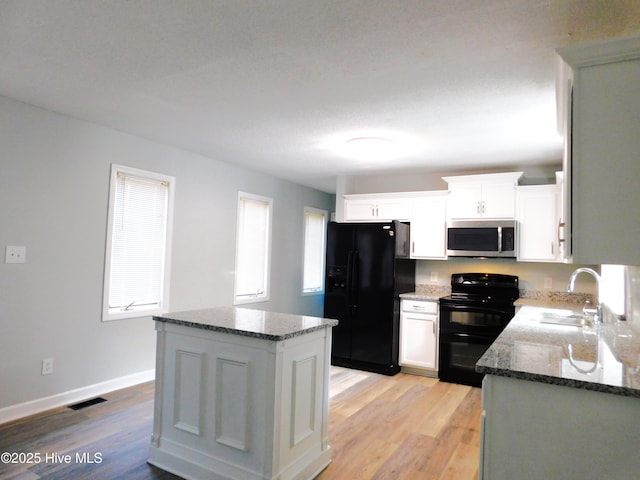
column 15, row 254
column 434, row 276
column 47, row 366
column 548, row 282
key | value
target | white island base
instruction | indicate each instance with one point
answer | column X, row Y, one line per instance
column 234, row 403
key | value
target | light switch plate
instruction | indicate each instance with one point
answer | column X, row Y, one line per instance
column 433, row 277
column 15, row 254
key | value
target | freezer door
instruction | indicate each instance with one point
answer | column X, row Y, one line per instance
column 337, row 299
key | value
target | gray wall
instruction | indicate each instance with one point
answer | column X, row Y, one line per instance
column 53, row 199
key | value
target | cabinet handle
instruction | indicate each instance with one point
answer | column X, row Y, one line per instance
column 560, row 225
column 484, row 207
column 373, row 212
column 477, row 207
column 552, row 249
column 433, row 327
column 413, row 247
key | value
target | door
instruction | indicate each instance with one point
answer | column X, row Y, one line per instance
column 538, row 223
column 428, row 227
column 338, row 281
column 373, row 303
column 459, row 354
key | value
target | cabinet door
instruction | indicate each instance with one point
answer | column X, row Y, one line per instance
column 392, row 209
column 538, row 224
column 428, row 227
column 464, row 200
column 605, row 165
column 418, row 341
column 376, row 209
column 359, row 210
column 498, row 200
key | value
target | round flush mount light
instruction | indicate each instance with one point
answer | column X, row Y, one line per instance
column 370, row 148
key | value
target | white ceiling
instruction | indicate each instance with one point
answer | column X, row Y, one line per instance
column 277, row 85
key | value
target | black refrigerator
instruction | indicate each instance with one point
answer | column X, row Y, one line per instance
column 367, row 268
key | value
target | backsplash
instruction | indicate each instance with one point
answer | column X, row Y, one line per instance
column 558, row 297
column 433, row 290
column 541, row 295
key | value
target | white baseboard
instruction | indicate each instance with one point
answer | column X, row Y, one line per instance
column 14, row 412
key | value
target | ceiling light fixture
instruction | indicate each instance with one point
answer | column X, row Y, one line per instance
column 371, row 148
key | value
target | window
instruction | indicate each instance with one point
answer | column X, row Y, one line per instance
column 253, row 243
column 138, row 243
column 315, row 234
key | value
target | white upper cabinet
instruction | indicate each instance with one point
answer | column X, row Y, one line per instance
column 375, row 207
column 538, row 223
column 428, row 225
column 482, row 196
column 601, row 164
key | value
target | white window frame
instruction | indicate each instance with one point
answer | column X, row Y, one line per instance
column 108, row 313
column 322, row 254
column 240, row 298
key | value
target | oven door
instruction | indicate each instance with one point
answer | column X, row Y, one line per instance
column 458, row 356
column 474, row 318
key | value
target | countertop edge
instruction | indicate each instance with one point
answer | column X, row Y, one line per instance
column 327, row 323
column 566, row 382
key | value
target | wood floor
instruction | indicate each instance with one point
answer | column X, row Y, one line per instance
column 401, row 427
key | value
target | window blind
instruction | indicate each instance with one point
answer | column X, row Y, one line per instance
column 138, row 243
column 314, row 251
column 252, row 257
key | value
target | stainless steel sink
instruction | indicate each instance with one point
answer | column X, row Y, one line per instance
column 569, row 320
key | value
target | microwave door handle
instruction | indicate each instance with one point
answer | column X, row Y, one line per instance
column 499, row 239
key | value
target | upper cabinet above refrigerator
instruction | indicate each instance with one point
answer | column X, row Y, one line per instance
column 600, row 85
column 379, row 207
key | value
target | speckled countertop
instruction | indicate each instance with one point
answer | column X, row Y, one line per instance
column 428, row 292
column 248, row 322
column 604, row 358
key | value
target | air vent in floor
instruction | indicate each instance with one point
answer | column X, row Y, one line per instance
column 87, row 403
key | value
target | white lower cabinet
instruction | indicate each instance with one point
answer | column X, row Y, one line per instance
column 419, row 335
column 539, row 431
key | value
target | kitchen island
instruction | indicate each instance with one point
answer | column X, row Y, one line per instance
column 561, row 401
column 241, row 394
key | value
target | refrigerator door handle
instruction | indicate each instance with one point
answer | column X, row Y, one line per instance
column 355, row 278
column 349, row 278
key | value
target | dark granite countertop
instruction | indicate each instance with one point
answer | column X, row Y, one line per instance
column 248, row 322
column 604, row 358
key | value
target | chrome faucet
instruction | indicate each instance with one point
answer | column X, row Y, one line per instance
column 594, row 274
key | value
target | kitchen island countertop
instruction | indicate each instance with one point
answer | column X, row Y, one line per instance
column 603, row 358
column 248, row 322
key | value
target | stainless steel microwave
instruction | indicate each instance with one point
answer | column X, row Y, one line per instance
column 481, row 238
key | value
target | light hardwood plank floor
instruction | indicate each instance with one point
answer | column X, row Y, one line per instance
column 401, row 427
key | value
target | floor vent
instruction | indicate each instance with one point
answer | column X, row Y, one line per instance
column 87, row 403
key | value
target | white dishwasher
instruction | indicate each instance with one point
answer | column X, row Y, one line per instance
column 419, row 336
